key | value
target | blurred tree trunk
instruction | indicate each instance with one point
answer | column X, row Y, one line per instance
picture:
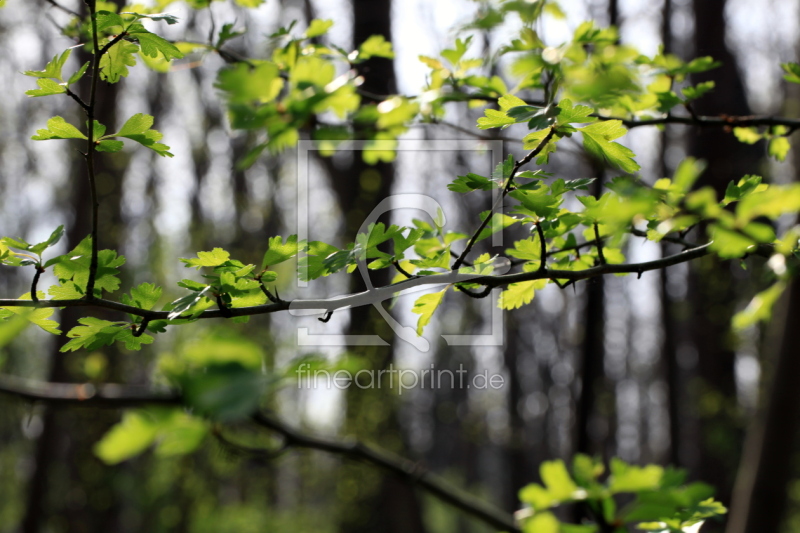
column 712, row 293
column 377, row 503
column 760, row 499
column 77, row 494
column 669, row 355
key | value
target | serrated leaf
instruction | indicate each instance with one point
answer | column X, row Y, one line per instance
column 47, row 87
column 425, row 306
column 107, row 19
column 115, row 62
column 631, row 478
column 779, row 148
column 58, row 128
column 279, row 251
column 471, row 182
column 215, row 257
column 494, row 119
column 597, row 140
column 145, row 296
column 747, row 135
column 53, row 68
column 375, row 46
column 556, row 478
column 519, row 294
column 39, row 317
column 78, row 74
column 152, row 45
column 568, row 114
column 318, row 27
column 138, row 128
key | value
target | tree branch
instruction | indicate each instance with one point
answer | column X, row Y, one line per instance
column 405, row 468
column 386, row 292
column 85, row 394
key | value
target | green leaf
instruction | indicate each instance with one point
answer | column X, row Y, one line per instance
column 39, row 317
column 78, row 74
column 279, row 251
column 318, row 27
column 224, row 391
column 597, row 141
column 556, row 478
column 568, row 114
column 215, row 257
column 152, row 45
column 74, row 267
column 128, row 438
column 145, row 296
column 693, row 93
column 107, row 19
column 494, row 119
column 631, row 478
column 779, row 148
column 542, row 523
column 425, row 306
column 138, row 128
column 246, row 84
column 747, row 135
column 792, row 72
column 115, row 62
column 109, row 146
column 53, row 68
column 58, row 128
column 169, row 18
column 471, row 182
column 47, row 87
column 375, row 46
column 53, row 239
column 760, row 307
column 519, row 294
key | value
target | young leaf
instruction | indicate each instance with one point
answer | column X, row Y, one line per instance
column 519, row 294
column 471, row 182
column 47, row 87
column 425, row 307
column 279, row 251
column 215, row 257
column 128, row 438
column 53, row 68
column 597, row 139
column 318, row 27
column 137, row 128
column 115, row 62
column 58, row 128
column 375, row 46
column 40, row 317
column 152, row 45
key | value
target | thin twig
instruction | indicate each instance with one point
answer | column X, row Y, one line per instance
column 85, row 394
column 78, row 99
column 599, row 245
column 387, row 291
column 519, row 164
column 35, row 282
column 405, row 468
column 90, row 112
column 63, row 8
column 543, row 244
